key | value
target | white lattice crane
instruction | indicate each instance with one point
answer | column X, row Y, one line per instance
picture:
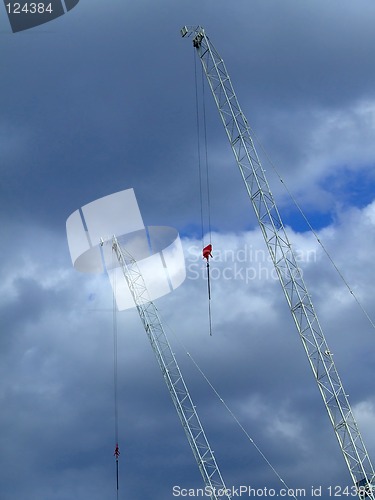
column 142, row 264
column 204, row 456
column 298, row 299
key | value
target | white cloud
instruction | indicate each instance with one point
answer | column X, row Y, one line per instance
column 61, row 357
column 364, row 412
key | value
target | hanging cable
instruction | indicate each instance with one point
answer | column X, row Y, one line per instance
column 199, row 148
column 208, row 198
column 239, row 424
column 204, row 176
column 206, row 249
column 250, row 439
column 342, row 277
column 206, row 255
column 206, row 154
column 115, row 376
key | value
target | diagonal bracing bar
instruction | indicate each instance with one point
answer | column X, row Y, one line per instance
column 172, row 375
column 296, row 294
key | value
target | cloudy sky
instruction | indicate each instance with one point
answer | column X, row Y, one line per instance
column 103, row 99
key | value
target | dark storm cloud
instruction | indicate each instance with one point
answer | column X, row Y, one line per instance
column 89, row 113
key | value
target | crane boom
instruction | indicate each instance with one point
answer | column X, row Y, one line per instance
column 172, row 375
column 299, row 301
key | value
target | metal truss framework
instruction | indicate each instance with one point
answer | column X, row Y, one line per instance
column 172, row 375
column 297, row 296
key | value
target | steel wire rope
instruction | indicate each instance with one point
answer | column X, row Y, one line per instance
column 342, row 277
column 231, row 413
column 206, row 153
column 199, row 149
column 207, row 177
column 115, row 375
column 205, row 174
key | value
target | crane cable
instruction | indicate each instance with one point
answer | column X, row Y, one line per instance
column 208, row 254
column 206, row 154
column 364, row 311
column 199, row 150
column 116, row 453
column 241, row 426
column 232, row 414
